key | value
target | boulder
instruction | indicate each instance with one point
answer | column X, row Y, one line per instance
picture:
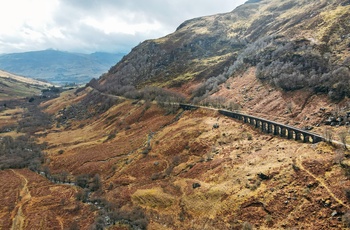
column 196, row 185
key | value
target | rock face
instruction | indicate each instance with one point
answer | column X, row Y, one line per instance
column 197, row 49
column 219, row 46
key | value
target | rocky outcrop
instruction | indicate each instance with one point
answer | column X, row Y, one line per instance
column 220, row 45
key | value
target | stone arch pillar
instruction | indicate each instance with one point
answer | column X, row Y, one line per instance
column 290, row 133
column 263, row 129
column 275, row 130
column 306, row 138
column 245, row 119
column 283, row 132
column 297, row 136
column 269, row 128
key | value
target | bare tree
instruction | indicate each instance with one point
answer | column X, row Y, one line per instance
column 289, row 107
column 343, row 136
column 96, row 183
column 328, row 135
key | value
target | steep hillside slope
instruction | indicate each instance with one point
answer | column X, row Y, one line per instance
column 142, row 165
column 293, row 44
column 59, row 67
column 177, row 171
column 28, row 199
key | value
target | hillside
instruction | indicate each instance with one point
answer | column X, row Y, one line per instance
column 292, row 44
column 143, row 165
column 32, row 202
column 176, row 171
column 13, row 86
column 59, row 67
column 121, row 154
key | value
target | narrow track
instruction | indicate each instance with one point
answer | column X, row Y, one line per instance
column 319, row 180
column 18, row 222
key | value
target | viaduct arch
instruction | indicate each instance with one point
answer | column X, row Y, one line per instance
column 268, row 126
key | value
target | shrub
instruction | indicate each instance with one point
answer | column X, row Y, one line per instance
column 34, row 119
column 135, row 217
column 290, row 65
column 249, row 137
column 20, row 152
column 347, row 193
column 82, row 180
column 82, row 195
column 96, row 183
column 346, row 219
column 99, row 223
column 91, row 105
column 74, row 226
column 247, row 226
column 110, row 137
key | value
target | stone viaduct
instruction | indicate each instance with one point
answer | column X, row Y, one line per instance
column 267, row 126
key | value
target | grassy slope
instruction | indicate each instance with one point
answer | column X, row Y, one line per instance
column 31, row 202
column 13, row 86
column 304, row 188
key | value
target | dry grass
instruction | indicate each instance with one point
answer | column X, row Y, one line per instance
column 9, row 119
column 10, row 116
column 13, row 86
column 296, row 108
column 153, row 198
column 66, row 99
column 31, row 81
column 224, row 161
column 43, row 205
column 153, row 161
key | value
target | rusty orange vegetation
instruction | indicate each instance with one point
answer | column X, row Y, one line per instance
column 30, row 201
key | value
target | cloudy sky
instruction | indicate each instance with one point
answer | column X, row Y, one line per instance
column 95, row 25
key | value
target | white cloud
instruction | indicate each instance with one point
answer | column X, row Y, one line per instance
column 15, row 13
column 95, row 25
column 117, row 25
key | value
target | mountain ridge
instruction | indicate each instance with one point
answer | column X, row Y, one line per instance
column 59, row 66
column 221, row 46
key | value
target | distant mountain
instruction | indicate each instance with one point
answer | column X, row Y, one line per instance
column 59, row 67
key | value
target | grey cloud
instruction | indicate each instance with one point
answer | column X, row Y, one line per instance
column 79, row 37
column 87, row 39
column 165, row 11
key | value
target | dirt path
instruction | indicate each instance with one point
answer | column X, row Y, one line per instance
column 319, row 180
column 24, row 197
